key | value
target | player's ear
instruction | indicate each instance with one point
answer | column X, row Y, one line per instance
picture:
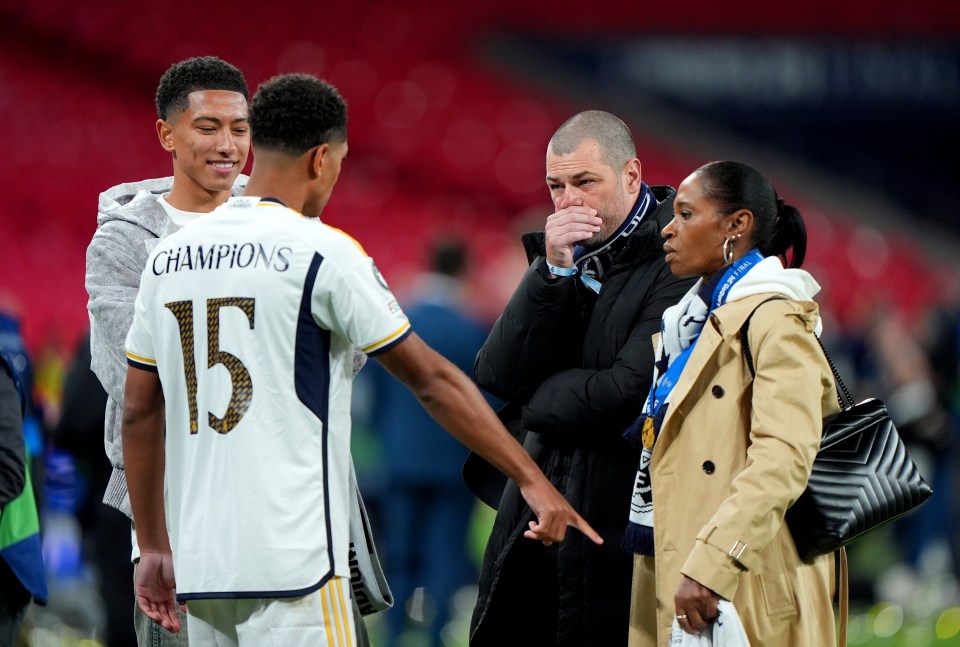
column 318, row 157
column 165, row 134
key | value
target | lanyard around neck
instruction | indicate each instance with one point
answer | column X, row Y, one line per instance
column 719, row 294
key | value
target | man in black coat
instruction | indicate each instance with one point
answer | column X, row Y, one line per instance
column 572, row 355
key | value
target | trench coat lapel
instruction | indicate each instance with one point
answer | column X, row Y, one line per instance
column 707, row 345
column 723, row 323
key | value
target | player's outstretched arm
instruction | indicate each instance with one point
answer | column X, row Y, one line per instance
column 143, row 458
column 456, row 403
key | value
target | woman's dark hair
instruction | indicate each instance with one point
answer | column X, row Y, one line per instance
column 777, row 226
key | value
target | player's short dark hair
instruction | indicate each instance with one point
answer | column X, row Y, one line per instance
column 292, row 113
column 194, row 75
column 616, row 141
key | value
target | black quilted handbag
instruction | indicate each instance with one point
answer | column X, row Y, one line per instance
column 862, row 476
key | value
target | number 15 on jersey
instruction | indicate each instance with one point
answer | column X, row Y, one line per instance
column 241, row 385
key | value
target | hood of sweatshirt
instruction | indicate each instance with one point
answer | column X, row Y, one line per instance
column 137, row 203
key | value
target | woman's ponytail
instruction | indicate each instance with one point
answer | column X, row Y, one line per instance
column 789, row 232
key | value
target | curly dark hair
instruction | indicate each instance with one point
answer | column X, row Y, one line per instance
column 193, row 75
column 292, row 113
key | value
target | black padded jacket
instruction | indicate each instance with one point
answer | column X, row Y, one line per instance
column 576, row 367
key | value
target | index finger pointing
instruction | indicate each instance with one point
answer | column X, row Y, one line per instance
column 584, row 527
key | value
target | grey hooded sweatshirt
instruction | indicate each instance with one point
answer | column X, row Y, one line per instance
column 130, row 223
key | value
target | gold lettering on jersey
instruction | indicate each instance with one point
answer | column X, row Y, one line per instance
column 222, row 256
column 242, row 393
column 183, row 311
column 241, row 383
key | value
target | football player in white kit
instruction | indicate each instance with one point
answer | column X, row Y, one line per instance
column 240, row 358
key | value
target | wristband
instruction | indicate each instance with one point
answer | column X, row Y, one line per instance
column 561, row 271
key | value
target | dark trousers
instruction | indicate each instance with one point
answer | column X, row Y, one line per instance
column 526, row 600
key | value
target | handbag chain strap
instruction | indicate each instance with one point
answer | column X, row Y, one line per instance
column 844, row 399
column 837, row 380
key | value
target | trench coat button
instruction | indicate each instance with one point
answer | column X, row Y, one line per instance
column 717, row 391
column 709, row 467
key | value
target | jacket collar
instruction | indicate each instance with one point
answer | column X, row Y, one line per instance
column 136, row 203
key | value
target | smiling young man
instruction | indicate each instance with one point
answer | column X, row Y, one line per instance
column 202, row 122
column 208, row 136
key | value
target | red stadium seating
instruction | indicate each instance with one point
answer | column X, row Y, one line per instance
column 438, row 142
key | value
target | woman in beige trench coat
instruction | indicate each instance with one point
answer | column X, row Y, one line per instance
column 726, row 453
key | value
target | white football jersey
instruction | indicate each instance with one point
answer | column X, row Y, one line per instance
column 250, row 315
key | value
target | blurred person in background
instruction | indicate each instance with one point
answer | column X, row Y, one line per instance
column 203, row 123
column 80, row 432
column 569, row 354
column 724, row 452
column 426, row 506
column 942, row 343
column 22, row 575
column 916, row 377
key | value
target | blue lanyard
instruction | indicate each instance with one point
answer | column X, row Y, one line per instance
column 660, row 390
column 719, row 290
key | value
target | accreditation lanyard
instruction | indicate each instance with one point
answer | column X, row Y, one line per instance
column 719, row 290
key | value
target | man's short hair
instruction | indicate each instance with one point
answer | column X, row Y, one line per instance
column 292, row 113
column 448, row 256
column 195, row 75
column 616, row 141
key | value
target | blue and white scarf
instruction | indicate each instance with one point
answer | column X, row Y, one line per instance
column 592, row 263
